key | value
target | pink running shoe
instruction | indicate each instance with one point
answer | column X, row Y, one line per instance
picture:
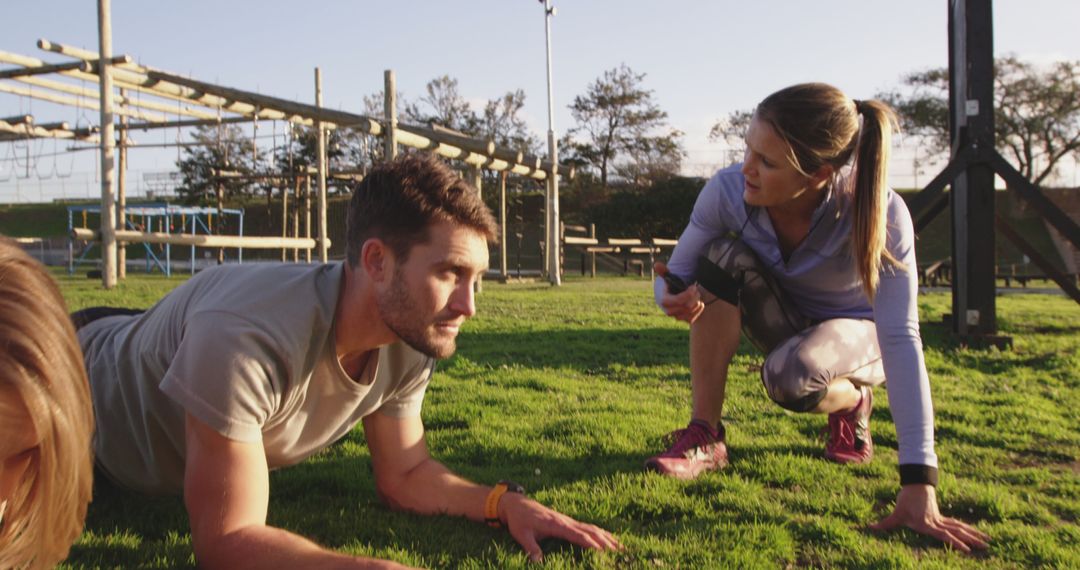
column 849, row 432
column 692, row 451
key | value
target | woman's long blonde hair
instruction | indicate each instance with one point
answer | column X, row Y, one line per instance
column 41, row 366
column 821, row 128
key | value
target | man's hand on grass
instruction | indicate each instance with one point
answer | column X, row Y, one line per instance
column 917, row 509
column 529, row 522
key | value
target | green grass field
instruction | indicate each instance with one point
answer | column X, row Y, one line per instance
column 568, row 390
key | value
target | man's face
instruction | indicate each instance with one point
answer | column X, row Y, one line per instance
column 430, row 296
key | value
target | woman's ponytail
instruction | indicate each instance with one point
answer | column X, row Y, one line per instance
column 868, row 231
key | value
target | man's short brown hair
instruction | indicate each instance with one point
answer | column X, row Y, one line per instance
column 398, row 201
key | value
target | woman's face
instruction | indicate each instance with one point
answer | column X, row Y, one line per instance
column 771, row 179
column 18, row 443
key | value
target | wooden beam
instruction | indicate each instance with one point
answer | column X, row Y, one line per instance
column 357, row 122
column 277, row 105
column 135, row 77
column 189, row 123
column 26, row 61
column 89, row 104
column 82, row 54
column 198, row 240
column 18, row 120
column 1067, row 283
column 83, row 66
column 54, row 126
column 128, row 102
column 243, row 102
column 121, row 78
column 43, row 68
column 8, row 136
column 27, row 130
column 456, row 138
column 1032, row 195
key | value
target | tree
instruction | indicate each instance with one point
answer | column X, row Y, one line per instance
column 618, row 120
column 732, row 129
column 502, row 123
column 650, row 163
column 1036, row 112
column 442, row 105
column 219, row 149
column 301, row 150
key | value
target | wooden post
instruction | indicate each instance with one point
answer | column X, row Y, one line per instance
column 296, row 216
column 284, row 219
column 592, row 254
column 559, row 244
column 220, row 198
column 502, row 227
column 972, row 121
column 108, row 140
column 323, row 247
column 390, row 110
column 121, row 193
column 478, row 183
column 307, row 214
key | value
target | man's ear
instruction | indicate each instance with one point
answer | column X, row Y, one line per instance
column 377, row 260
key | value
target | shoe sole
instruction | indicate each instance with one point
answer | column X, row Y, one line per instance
column 684, row 475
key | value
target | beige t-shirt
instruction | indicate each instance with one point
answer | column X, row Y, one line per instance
column 249, row 350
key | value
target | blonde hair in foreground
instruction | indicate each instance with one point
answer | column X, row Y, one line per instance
column 820, row 124
column 41, row 372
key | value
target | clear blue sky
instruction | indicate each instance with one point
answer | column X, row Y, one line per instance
column 703, row 59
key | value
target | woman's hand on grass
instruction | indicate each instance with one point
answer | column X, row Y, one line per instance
column 530, row 522
column 917, row 509
column 685, row 306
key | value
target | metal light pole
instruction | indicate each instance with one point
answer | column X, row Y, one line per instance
column 551, row 232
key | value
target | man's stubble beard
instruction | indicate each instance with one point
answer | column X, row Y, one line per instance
column 399, row 313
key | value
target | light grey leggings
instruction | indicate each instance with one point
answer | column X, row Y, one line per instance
column 803, row 356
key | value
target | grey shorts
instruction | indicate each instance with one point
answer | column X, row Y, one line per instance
column 802, row 356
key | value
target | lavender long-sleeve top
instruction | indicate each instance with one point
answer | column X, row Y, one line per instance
column 821, row 279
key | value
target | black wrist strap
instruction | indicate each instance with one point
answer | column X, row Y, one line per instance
column 717, row 281
column 914, row 474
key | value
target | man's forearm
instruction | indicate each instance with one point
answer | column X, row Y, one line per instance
column 261, row 546
column 430, row 488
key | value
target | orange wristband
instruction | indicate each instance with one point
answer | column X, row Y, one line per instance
column 491, row 505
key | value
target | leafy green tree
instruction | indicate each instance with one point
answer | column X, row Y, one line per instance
column 442, row 104
column 502, row 122
column 617, row 121
column 301, row 149
column 732, row 129
column 219, row 151
column 1036, row 112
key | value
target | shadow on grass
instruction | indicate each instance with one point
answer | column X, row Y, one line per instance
column 583, row 349
column 126, row 529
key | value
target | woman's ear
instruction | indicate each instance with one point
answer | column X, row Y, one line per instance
column 377, row 260
column 822, row 176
